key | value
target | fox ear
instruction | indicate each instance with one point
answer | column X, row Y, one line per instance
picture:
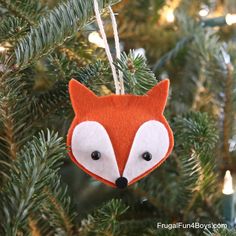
column 81, row 97
column 159, row 94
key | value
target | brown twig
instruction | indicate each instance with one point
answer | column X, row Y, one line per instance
column 33, row 227
column 227, row 123
column 59, row 209
column 200, row 89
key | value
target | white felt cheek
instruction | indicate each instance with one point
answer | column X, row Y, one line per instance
column 151, row 137
column 90, row 136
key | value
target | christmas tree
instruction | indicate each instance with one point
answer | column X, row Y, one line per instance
column 44, row 44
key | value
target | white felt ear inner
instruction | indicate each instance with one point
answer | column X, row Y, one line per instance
column 151, row 137
column 90, row 136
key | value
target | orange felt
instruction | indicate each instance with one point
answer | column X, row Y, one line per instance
column 121, row 116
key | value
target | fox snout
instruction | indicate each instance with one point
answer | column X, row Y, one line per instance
column 96, row 155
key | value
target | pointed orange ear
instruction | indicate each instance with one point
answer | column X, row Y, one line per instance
column 159, row 94
column 81, row 97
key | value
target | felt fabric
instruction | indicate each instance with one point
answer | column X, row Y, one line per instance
column 90, row 136
column 121, row 116
column 153, row 137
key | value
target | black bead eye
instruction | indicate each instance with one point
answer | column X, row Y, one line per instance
column 96, row 155
column 147, row 156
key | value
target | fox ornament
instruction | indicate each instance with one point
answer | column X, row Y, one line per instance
column 119, row 139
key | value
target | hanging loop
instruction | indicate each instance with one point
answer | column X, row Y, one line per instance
column 118, row 80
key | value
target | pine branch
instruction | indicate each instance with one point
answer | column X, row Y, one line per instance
column 188, row 182
column 54, row 29
column 39, row 160
column 64, row 69
column 15, row 130
column 220, row 232
column 79, row 50
column 138, row 77
column 134, row 227
column 27, row 10
column 205, row 43
column 72, row 55
column 11, row 28
column 95, row 75
column 172, row 53
column 57, row 208
column 196, row 130
column 105, row 220
column 164, row 232
column 46, row 103
column 197, row 175
column 188, row 31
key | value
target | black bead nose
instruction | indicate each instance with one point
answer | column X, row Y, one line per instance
column 121, row 182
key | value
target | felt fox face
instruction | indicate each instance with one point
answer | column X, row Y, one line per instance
column 119, row 139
